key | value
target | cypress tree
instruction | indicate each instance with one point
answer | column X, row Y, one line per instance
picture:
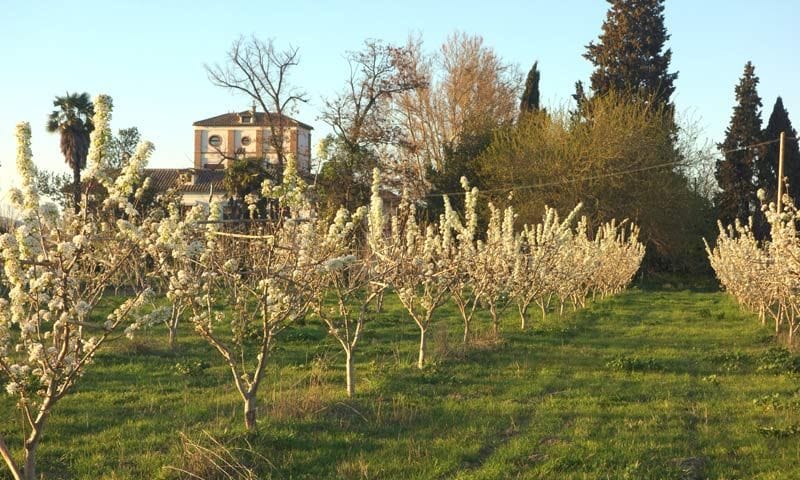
column 735, row 170
column 767, row 164
column 530, row 97
column 628, row 56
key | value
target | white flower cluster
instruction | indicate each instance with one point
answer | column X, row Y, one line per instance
column 129, row 182
column 57, row 268
column 100, row 140
column 764, row 276
column 552, row 260
column 291, row 192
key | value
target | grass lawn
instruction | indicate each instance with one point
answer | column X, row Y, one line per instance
column 654, row 383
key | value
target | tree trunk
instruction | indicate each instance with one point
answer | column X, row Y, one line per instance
column 466, row 332
column 30, row 461
column 76, row 187
column 250, row 411
column 495, row 320
column 523, row 313
column 422, row 340
column 31, row 445
column 379, row 303
column 173, row 336
column 351, row 374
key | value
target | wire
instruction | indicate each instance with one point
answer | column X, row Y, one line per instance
column 600, row 176
column 746, row 147
column 564, row 182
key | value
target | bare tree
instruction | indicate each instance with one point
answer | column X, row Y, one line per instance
column 471, row 88
column 260, row 71
column 363, row 124
column 360, row 114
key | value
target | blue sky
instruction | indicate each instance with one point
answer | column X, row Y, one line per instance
column 149, row 55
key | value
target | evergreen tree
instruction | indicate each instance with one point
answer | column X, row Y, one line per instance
column 530, row 97
column 735, row 170
column 767, row 163
column 628, row 56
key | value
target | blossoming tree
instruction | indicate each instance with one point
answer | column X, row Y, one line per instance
column 263, row 271
column 58, row 267
column 419, row 267
column 763, row 276
column 497, row 256
column 466, row 288
column 536, row 264
column 174, row 245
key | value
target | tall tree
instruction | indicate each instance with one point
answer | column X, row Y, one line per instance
column 735, row 169
column 767, row 164
column 629, row 55
column 530, row 97
column 73, row 121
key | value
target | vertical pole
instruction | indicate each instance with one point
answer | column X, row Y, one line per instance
column 780, row 173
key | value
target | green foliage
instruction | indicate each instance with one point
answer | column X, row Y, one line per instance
column 459, row 161
column 123, row 146
column 776, row 402
column 780, row 432
column 192, row 369
column 778, row 360
column 623, row 163
column 729, row 362
column 345, row 178
column 736, row 198
column 630, row 56
column 245, row 176
column 634, row 363
column 54, row 185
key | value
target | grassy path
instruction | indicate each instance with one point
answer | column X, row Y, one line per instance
column 650, row 384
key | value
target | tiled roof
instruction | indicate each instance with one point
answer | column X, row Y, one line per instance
column 233, row 119
column 162, row 179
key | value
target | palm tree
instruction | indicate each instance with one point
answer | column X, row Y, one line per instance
column 73, row 121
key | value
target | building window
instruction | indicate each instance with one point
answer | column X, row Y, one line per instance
column 215, row 140
column 245, row 141
column 246, row 119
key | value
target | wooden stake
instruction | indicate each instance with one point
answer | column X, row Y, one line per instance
column 780, row 173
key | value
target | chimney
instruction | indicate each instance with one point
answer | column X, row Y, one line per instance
column 188, row 176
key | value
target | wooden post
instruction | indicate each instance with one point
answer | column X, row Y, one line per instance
column 780, row 173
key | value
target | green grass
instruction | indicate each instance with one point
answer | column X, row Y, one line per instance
column 654, row 383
